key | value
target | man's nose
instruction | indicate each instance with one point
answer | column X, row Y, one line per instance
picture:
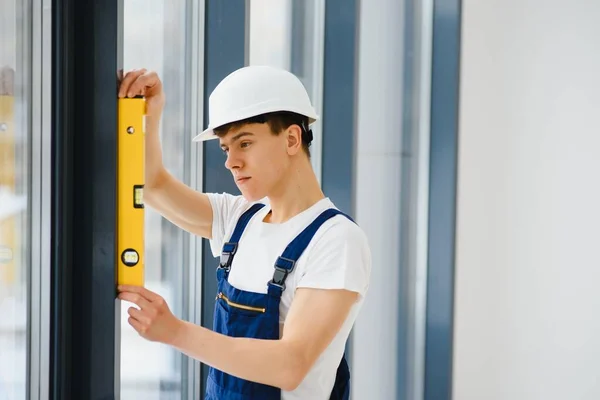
column 233, row 161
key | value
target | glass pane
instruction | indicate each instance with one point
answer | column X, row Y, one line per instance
column 271, row 33
column 14, row 210
column 155, row 39
column 289, row 34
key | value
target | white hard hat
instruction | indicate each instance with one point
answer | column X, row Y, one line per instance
column 252, row 91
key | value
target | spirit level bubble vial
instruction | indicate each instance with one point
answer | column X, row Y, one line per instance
column 130, row 209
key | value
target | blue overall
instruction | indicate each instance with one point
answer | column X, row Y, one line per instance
column 240, row 313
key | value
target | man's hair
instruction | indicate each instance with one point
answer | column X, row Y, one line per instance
column 278, row 122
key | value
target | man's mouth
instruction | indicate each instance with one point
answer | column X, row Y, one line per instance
column 242, row 179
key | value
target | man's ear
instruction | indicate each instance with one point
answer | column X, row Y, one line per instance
column 294, row 139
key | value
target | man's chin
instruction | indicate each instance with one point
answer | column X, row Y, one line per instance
column 251, row 196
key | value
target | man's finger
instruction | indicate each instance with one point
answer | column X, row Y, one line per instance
column 136, row 324
column 142, row 291
column 129, row 78
column 139, row 315
column 147, row 81
column 135, row 298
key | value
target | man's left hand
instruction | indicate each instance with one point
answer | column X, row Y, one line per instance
column 153, row 320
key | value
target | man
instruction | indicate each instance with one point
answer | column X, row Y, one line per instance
column 293, row 270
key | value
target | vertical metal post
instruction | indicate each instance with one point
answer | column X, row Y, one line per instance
column 224, row 52
column 338, row 137
column 195, row 21
column 339, row 102
column 85, row 332
column 442, row 205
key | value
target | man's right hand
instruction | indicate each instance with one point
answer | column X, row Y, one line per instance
column 174, row 200
column 145, row 83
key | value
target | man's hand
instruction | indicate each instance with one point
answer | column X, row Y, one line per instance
column 153, row 320
column 313, row 321
column 145, row 83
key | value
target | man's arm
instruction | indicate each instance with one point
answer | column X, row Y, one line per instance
column 180, row 204
column 314, row 319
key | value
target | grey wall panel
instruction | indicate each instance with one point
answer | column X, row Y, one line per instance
column 339, row 93
column 526, row 324
column 442, row 207
column 339, row 102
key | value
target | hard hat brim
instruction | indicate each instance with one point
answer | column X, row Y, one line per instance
column 209, row 133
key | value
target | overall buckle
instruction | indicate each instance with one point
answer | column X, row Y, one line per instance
column 227, row 254
column 279, row 277
column 281, row 273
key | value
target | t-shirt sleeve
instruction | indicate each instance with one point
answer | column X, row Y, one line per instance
column 226, row 209
column 340, row 259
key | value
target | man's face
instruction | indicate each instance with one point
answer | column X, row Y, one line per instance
column 257, row 159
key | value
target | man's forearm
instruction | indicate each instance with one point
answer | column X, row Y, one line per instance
column 272, row 362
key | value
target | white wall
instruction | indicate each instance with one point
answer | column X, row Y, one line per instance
column 379, row 121
column 527, row 318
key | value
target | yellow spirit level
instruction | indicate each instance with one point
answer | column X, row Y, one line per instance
column 7, row 189
column 130, row 191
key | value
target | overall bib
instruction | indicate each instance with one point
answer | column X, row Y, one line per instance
column 239, row 313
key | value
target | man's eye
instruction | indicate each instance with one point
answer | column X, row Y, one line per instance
column 224, row 150
column 245, row 144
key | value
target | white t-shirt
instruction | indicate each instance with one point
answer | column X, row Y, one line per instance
column 338, row 257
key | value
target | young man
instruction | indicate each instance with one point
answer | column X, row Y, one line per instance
column 293, row 270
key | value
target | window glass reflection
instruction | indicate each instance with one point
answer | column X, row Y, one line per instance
column 14, row 211
column 154, row 38
column 289, row 34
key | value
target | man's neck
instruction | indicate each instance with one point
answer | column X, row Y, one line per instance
column 298, row 192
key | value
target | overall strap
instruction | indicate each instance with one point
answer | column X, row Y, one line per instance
column 285, row 263
column 230, row 248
